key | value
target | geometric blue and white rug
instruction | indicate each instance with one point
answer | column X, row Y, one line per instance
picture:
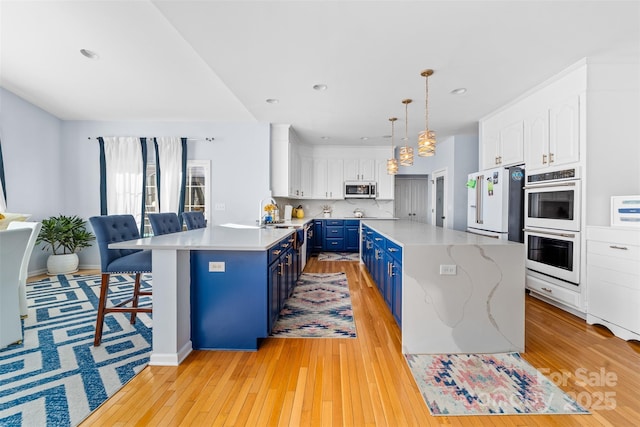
column 319, row 307
column 56, row 377
column 338, row 256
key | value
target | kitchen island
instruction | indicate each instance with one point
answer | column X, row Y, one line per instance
column 460, row 292
column 226, row 269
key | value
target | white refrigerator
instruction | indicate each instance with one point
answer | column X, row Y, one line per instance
column 496, row 203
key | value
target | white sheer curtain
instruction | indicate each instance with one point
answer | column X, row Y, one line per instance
column 124, row 176
column 169, row 155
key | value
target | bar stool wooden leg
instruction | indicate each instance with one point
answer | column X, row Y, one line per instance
column 104, row 287
column 134, row 300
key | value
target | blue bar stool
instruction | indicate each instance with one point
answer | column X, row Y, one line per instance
column 164, row 223
column 111, row 229
column 194, row 219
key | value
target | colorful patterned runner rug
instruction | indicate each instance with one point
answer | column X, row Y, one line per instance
column 320, row 307
column 338, row 256
column 487, row 384
column 56, row 377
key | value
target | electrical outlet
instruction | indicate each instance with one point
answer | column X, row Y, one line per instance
column 448, row 269
column 219, row 207
column 216, row 266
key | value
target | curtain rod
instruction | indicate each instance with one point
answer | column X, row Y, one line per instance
column 208, row 139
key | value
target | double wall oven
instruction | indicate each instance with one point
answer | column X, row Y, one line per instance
column 552, row 225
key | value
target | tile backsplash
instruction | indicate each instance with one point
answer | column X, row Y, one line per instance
column 341, row 208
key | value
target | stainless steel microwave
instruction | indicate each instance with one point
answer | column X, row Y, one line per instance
column 359, row 190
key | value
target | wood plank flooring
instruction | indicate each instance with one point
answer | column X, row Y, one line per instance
column 366, row 381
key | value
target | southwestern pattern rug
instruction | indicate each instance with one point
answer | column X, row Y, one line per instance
column 320, row 307
column 56, row 377
column 338, row 256
column 487, row 384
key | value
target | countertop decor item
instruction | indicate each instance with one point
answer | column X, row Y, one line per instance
column 326, row 211
column 65, row 236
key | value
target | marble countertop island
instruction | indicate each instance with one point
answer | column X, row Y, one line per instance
column 479, row 309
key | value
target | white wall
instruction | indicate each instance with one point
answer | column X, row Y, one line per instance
column 52, row 167
column 31, row 152
column 459, row 156
column 613, row 137
column 239, row 158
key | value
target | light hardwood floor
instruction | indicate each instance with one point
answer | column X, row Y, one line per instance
column 365, row 381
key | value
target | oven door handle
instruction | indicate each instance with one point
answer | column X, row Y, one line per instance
column 550, row 233
column 558, row 184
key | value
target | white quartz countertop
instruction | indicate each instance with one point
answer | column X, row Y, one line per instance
column 415, row 233
column 211, row 238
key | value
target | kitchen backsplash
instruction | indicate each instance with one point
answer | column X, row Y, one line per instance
column 341, row 208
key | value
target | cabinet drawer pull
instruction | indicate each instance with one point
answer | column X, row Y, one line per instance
column 544, row 159
column 285, row 245
column 393, row 250
column 550, row 158
column 624, row 248
column 547, row 290
column 377, row 239
column 277, row 252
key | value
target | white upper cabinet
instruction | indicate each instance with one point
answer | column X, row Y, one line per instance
column 385, row 182
column 553, row 135
column 281, row 175
column 328, row 181
column 306, row 176
column 501, row 141
column 359, row 169
column 564, row 131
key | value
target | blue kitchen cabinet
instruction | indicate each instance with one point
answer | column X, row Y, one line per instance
column 229, row 307
column 333, row 235
column 383, row 259
column 352, row 235
column 318, row 236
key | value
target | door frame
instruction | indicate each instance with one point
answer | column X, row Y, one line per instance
column 434, row 176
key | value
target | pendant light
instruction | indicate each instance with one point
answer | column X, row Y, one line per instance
column 392, row 163
column 406, row 152
column 427, row 138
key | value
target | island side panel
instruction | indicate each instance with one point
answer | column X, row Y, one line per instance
column 171, row 307
column 480, row 309
column 228, row 305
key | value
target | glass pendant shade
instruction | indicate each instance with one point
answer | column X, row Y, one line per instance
column 427, row 143
column 406, row 156
column 427, row 138
column 392, row 163
column 406, row 152
column 392, row 166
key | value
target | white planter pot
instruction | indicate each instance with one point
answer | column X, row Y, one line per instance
column 62, row 264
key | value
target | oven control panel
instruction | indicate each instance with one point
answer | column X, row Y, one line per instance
column 558, row 175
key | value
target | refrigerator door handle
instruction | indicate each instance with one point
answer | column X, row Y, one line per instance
column 479, row 182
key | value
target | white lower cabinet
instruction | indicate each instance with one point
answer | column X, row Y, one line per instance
column 613, row 280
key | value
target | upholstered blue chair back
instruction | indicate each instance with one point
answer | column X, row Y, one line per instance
column 164, row 223
column 118, row 228
column 194, row 219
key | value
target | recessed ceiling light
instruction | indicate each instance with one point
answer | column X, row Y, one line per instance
column 89, row 54
column 325, row 137
column 320, row 87
column 272, row 101
column 459, row 91
column 364, row 138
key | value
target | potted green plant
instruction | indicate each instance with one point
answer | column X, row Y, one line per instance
column 64, row 236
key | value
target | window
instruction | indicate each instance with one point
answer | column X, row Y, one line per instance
column 196, row 193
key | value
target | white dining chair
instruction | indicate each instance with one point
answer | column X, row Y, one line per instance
column 24, row 266
column 12, row 246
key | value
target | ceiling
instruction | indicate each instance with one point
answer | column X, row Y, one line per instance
column 219, row 61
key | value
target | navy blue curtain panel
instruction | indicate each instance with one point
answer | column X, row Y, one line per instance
column 158, row 172
column 183, row 184
column 103, row 178
column 4, row 184
column 143, row 147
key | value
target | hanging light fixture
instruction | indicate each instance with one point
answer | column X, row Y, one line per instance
column 427, row 138
column 406, row 152
column 392, row 163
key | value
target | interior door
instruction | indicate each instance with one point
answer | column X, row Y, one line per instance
column 411, row 198
column 419, row 190
column 403, row 198
column 439, row 194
